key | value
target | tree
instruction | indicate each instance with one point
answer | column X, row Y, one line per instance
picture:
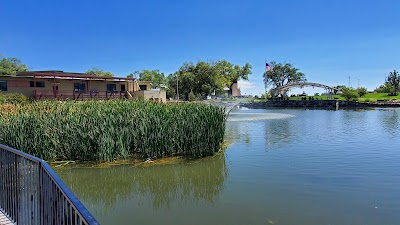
column 362, row 91
column 282, row 74
column 99, row 72
column 394, row 80
column 156, row 78
column 230, row 73
column 191, row 96
column 384, row 88
column 349, row 93
column 337, row 89
column 206, row 78
column 11, row 66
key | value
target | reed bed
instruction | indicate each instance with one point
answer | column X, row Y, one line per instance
column 109, row 130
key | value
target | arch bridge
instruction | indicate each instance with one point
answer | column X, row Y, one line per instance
column 280, row 91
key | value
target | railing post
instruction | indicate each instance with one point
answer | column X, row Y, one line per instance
column 40, row 195
column 32, row 193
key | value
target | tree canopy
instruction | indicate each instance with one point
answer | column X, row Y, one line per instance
column 231, row 73
column 384, row 88
column 394, row 80
column 349, row 93
column 362, row 91
column 11, row 66
column 157, row 79
column 282, row 74
column 205, row 78
column 99, row 72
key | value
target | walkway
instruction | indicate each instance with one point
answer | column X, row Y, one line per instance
column 4, row 220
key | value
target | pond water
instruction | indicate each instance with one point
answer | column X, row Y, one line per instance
column 281, row 167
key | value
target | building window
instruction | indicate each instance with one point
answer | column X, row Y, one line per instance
column 38, row 84
column 111, row 87
column 79, row 87
column 143, row 87
column 3, row 85
column 123, row 87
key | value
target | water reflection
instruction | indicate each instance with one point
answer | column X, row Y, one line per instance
column 235, row 132
column 101, row 189
column 390, row 121
column 278, row 133
column 242, row 123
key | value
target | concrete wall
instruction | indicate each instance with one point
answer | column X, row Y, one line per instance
column 151, row 95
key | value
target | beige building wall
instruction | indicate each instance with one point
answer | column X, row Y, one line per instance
column 146, row 83
column 151, row 95
column 22, row 85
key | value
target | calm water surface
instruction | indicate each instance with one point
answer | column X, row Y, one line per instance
column 281, row 167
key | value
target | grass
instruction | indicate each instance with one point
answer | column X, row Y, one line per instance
column 373, row 97
column 370, row 97
column 110, row 130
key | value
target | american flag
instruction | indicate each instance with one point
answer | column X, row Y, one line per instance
column 268, row 67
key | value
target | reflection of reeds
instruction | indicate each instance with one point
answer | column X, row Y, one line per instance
column 191, row 181
column 109, row 130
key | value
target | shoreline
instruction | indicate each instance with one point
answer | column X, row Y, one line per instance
column 319, row 104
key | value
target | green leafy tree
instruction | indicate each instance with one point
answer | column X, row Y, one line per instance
column 349, row 93
column 338, row 89
column 282, row 74
column 191, row 96
column 99, row 72
column 384, row 88
column 362, row 91
column 206, row 78
column 230, row 74
column 394, row 80
column 156, row 78
column 11, row 66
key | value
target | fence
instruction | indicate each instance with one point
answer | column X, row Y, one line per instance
column 71, row 95
column 32, row 193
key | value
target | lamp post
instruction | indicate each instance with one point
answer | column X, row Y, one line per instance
column 358, row 82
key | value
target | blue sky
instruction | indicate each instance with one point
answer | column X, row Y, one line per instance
column 327, row 40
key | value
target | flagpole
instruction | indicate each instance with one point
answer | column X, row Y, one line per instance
column 265, row 66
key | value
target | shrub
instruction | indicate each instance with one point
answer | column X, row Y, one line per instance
column 13, row 99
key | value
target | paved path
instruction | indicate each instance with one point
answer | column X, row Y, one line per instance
column 4, row 220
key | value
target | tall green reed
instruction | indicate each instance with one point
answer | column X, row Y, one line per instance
column 109, row 130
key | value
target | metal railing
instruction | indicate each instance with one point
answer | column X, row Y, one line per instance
column 71, row 95
column 32, row 193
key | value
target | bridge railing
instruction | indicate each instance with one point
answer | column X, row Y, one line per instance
column 32, row 193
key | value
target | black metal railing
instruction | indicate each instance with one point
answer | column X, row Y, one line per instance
column 32, row 193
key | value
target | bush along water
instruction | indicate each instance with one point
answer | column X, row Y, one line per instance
column 109, row 130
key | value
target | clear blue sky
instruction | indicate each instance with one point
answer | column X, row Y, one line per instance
column 328, row 40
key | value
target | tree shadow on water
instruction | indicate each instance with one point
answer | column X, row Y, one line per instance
column 193, row 181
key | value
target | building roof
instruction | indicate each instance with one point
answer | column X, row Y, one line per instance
column 57, row 74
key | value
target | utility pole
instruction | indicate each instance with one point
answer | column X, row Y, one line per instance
column 177, row 88
column 349, row 82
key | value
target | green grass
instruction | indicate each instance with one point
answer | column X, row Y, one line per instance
column 370, row 97
column 373, row 97
column 109, row 130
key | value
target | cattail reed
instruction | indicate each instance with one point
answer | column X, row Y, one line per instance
column 110, row 130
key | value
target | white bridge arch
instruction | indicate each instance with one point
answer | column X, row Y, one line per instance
column 283, row 89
